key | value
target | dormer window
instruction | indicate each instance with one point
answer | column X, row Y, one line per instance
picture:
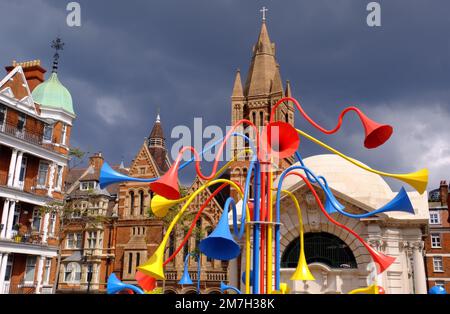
column 48, row 132
column 88, row 185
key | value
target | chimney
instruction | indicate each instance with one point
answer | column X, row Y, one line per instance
column 443, row 191
column 96, row 161
column 33, row 71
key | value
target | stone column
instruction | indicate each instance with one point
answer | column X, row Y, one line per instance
column 17, row 170
column 3, row 263
column 12, row 209
column 4, row 218
column 51, row 179
column 40, row 273
column 45, row 228
column 419, row 268
column 12, row 166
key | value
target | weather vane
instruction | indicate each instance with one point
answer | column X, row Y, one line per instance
column 58, row 45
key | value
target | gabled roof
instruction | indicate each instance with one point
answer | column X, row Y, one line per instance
column 14, row 85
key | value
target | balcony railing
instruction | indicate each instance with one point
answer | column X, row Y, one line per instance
column 24, row 134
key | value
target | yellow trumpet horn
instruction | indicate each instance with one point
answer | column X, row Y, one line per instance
column 372, row 289
column 160, row 205
column 284, row 289
column 302, row 271
column 154, row 265
column 418, row 180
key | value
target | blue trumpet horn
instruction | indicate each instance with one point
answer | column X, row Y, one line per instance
column 186, row 278
column 224, row 287
column 220, row 243
column 400, row 203
column 109, row 176
column 114, row 286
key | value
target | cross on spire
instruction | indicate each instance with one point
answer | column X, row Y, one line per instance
column 58, row 45
column 264, row 10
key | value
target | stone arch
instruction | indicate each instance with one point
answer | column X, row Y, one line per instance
column 188, row 290
column 213, row 291
column 170, row 291
column 289, row 231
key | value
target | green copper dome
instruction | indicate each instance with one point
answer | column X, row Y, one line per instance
column 53, row 94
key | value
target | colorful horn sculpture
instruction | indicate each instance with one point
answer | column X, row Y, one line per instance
column 154, row 266
column 109, row 176
column 418, row 180
column 114, row 285
column 376, row 134
column 224, row 287
column 161, row 205
column 280, row 139
column 372, row 289
column 400, row 203
column 186, row 278
column 220, row 243
column 147, row 283
column 167, row 185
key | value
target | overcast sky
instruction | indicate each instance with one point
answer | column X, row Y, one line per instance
column 131, row 57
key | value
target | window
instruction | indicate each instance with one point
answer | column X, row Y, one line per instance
column 208, row 232
column 138, row 259
column 22, row 118
column 435, row 219
column 48, row 132
column 130, row 262
column 72, row 273
column 47, row 269
column 23, row 169
column 52, row 223
column 437, row 264
column 92, row 239
column 9, row 265
column 42, row 174
column 30, row 268
column 439, row 283
column 74, row 241
column 88, row 185
column 131, row 203
column 36, row 224
column 141, row 202
column 2, row 117
column 322, row 248
column 435, row 240
column 172, row 243
column 63, row 134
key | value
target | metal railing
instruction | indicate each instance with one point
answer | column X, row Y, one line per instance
column 21, row 133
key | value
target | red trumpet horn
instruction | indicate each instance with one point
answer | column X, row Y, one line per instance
column 167, row 185
column 376, row 134
column 383, row 261
column 280, row 139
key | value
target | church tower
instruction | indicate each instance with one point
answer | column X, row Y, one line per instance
column 255, row 100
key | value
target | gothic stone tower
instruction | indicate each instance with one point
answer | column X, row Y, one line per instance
column 263, row 88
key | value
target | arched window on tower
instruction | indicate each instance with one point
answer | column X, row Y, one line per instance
column 172, row 243
column 286, row 117
column 261, row 118
column 131, row 203
column 321, row 247
column 141, row 202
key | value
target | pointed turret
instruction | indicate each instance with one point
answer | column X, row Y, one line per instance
column 157, row 145
column 237, row 88
column 263, row 65
column 288, row 92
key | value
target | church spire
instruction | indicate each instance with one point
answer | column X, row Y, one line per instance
column 263, row 66
column 237, row 88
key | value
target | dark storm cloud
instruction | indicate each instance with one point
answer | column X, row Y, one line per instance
column 131, row 57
